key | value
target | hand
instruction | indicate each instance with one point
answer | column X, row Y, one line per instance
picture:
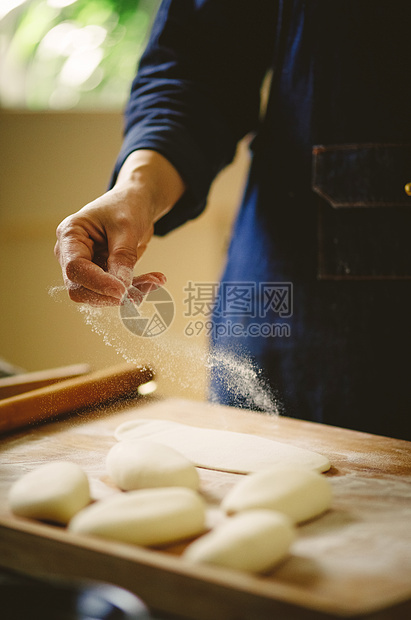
column 99, row 245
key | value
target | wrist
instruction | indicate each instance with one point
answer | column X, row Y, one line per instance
column 148, row 175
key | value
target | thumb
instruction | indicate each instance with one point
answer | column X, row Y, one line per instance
column 122, row 257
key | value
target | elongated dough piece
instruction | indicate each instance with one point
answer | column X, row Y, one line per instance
column 52, row 492
column 220, row 449
column 149, row 517
column 253, row 541
column 299, row 493
column 141, row 464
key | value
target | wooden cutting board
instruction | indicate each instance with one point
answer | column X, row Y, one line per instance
column 354, row 561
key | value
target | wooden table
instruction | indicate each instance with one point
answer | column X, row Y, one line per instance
column 354, row 561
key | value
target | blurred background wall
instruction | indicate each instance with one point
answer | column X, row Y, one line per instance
column 59, row 139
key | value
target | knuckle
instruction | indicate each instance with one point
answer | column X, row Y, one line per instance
column 71, row 227
column 63, row 227
column 57, row 250
column 122, row 220
column 124, row 254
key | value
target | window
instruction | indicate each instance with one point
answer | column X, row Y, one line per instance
column 65, row 54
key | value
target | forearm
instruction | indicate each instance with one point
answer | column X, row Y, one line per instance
column 149, row 174
column 192, row 106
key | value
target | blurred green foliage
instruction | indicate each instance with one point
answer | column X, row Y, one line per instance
column 71, row 53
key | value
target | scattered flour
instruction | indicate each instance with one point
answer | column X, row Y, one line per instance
column 236, row 372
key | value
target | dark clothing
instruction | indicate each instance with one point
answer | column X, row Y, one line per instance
column 324, row 208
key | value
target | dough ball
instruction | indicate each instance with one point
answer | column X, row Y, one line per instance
column 52, row 492
column 220, row 449
column 149, row 517
column 253, row 541
column 141, row 464
column 298, row 493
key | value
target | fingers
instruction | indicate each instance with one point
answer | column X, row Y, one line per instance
column 81, row 273
column 90, row 277
column 149, row 281
column 83, row 252
column 98, row 248
column 80, row 294
column 123, row 249
column 142, row 285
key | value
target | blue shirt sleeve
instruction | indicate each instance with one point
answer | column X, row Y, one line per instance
column 197, row 90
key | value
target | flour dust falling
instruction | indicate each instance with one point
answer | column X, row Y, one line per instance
column 236, row 374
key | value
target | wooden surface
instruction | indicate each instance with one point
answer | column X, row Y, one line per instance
column 354, row 561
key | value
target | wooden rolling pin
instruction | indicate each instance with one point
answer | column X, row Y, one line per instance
column 66, row 396
column 25, row 382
